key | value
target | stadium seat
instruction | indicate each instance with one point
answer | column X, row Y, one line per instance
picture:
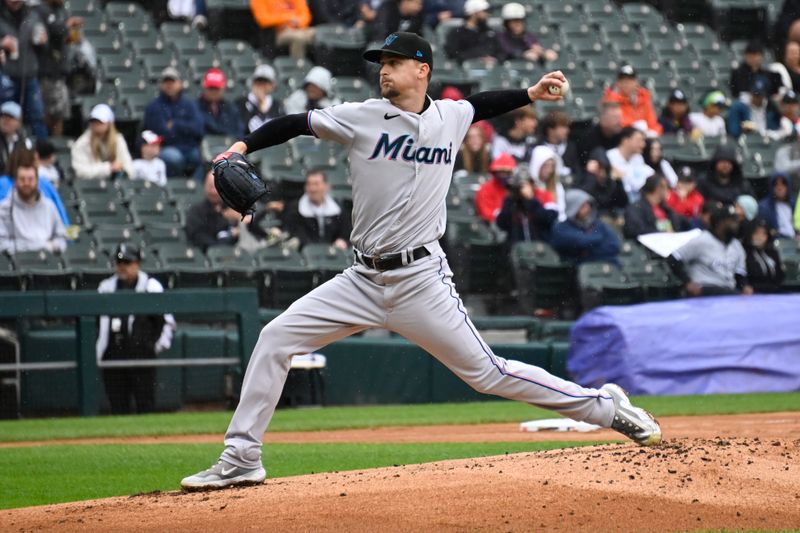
column 189, row 264
column 135, row 188
column 632, row 252
column 44, row 271
column 285, row 276
column 137, row 29
column 91, row 265
column 542, row 279
column 185, row 191
column 657, row 280
column 339, row 49
column 155, row 234
column 211, row 145
column 108, row 237
column 289, row 67
column 791, row 275
column 118, row 11
column 132, row 81
column 234, row 266
column 606, row 284
column 642, row 14
column 327, row 260
column 9, row 277
column 102, row 213
column 145, row 211
column 556, row 330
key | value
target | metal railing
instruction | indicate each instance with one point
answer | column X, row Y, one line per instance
column 240, row 304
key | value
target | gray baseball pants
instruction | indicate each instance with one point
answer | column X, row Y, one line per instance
column 417, row 301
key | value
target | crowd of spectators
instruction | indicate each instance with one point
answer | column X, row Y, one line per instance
column 577, row 190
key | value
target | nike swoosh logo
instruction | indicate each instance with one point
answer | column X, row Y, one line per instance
column 226, row 472
column 387, row 116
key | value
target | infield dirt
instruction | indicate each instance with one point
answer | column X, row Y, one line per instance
column 739, row 472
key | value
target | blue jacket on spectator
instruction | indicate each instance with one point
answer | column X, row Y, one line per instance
column 227, row 122
column 187, row 121
column 45, row 187
column 579, row 240
column 768, row 210
column 739, row 112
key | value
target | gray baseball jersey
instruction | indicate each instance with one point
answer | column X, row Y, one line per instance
column 401, row 165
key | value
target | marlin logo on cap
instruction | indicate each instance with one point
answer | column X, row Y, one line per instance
column 419, row 53
column 390, row 39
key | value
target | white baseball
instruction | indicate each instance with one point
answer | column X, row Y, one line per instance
column 563, row 90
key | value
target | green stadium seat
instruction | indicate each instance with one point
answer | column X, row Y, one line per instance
column 791, row 275
column 91, row 265
column 234, row 266
column 339, row 48
column 606, row 284
column 189, row 264
column 200, row 62
column 212, row 145
column 323, row 160
column 136, row 104
column 118, row 11
column 184, row 190
column 145, row 211
column 134, row 81
column 155, row 63
column 642, row 14
column 556, row 330
column 289, row 67
column 543, row 280
column 655, row 277
column 285, row 276
column 109, row 236
column 102, row 213
column 154, row 235
column 326, row 259
column 44, row 271
column 10, row 279
column 135, row 188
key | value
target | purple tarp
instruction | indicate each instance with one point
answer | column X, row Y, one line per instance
column 730, row 344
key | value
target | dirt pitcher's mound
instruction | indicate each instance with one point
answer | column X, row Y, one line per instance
column 684, row 485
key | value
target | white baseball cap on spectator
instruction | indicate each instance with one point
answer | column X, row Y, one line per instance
column 475, row 6
column 150, row 137
column 11, row 109
column 102, row 113
column 513, row 11
column 264, row 73
column 170, row 73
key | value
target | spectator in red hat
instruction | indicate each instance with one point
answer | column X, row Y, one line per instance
column 490, row 196
column 635, row 101
column 150, row 167
column 685, row 199
column 220, row 117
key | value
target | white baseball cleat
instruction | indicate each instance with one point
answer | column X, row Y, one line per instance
column 633, row 422
column 223, row 474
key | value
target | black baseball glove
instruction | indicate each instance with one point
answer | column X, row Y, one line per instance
column 238, row 182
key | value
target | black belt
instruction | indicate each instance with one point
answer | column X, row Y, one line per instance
column 390, row 261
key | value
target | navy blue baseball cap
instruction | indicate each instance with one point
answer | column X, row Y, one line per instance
column 403, row 44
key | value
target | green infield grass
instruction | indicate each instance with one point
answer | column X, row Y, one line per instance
column 316, row 419
column 60, row 473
